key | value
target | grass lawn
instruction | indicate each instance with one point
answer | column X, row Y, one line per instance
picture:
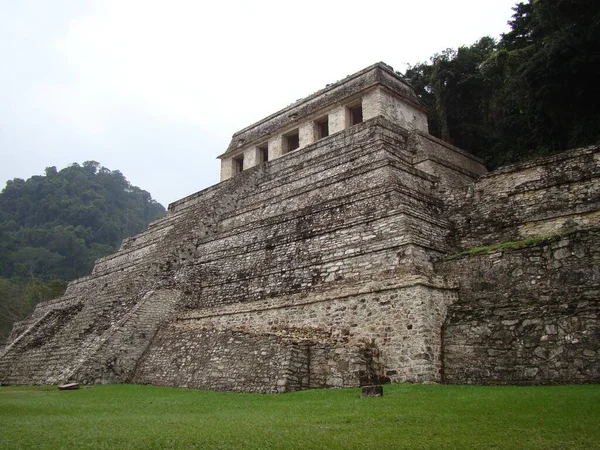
column 408, row 416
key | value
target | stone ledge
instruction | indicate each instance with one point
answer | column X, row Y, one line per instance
column 400, row 210
column 279, row 166
column 544, row 161
column 330, row 294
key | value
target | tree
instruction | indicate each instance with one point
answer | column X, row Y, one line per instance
column 18, row 299
column 456, row 93
column 53, row 227
column 34, row 262
column 532, row 93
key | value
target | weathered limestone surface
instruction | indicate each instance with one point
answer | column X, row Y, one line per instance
column 235, row 360
column 529, row 313
column 349, row 88
column 338, row 238
column 527, row 316
column 537, row 198
column 329, row 266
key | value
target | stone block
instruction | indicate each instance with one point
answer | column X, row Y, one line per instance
column 371, row 391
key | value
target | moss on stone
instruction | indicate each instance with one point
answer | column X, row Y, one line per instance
column 510, row 245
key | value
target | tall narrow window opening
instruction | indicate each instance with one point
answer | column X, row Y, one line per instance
column 355, row 114
column 238, row 164
column 291, row 141
column 322, row 127
column 263, row 152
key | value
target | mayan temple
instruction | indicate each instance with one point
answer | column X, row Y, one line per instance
column 343, row 246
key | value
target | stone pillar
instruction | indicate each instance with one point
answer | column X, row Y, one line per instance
column 226, row 168
column 251, row 157
column 372, row 104
column 275, row 147
column 338, row 120
column 306, row 133
column 380, row 102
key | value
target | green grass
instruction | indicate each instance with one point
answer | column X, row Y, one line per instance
column 408, row 416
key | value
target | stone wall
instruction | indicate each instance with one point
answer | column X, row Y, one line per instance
column 528, row 315
column 540, row 197
column 195, row 356
column 526, row 244
column 401, row 319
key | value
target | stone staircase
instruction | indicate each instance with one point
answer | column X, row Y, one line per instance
column 342, row 207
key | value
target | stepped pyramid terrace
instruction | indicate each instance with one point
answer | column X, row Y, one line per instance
column 344, row 246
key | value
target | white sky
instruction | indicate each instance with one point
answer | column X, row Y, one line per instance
column 155, row 89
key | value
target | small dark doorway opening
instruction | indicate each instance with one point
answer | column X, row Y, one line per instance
column 263, row 151
column 355, row 114
column 291, row 141
column 238, row 164
column 322, row 126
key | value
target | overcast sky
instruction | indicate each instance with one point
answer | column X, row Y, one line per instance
column 155, row 89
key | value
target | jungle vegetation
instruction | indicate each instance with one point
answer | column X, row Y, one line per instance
column 54, row 226
column 533, row 92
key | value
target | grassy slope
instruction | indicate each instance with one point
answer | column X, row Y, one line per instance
column 408, row 416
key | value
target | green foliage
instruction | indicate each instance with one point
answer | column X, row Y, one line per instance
column 10, row 310
column 406, row 417
column 53, row 227
column 18, row 298
column 32, row 261
column 532, row 93
column 452, row 88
